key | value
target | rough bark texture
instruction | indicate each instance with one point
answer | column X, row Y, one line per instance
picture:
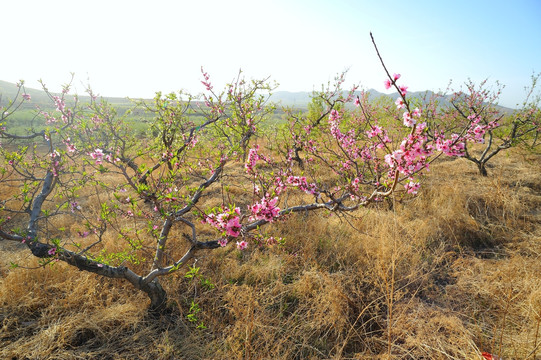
column 482, row 169
column 153, row 289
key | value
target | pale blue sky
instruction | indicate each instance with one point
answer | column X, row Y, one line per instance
column 135, row 48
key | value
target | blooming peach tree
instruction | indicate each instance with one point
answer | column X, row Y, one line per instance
column 490, row 128
column 80, row 179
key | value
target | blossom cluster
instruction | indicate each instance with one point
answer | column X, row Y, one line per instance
column 190, row 141
column 265, row 210
column 206, row 82
column 346, row 140
column 49, row 119
column 409, row 119
column 251, row 160
column 476, row 131
column 301, row 183
column 412, row 155
column 412, row 186
column 227, row 221
column 74, row 206
column 55, row 162
column 59, row 102
column 69, row 146
column 98, row 155
column 451, row 147
column 388, row 82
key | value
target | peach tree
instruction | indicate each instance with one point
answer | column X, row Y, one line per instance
column 204, row 179
column 490, row 128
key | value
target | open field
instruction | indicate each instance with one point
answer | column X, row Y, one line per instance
column 446, row 275
column 192, row 181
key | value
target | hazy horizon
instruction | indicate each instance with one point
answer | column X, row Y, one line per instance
column 135, row 48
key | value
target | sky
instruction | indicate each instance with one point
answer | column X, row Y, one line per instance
column 138, row 47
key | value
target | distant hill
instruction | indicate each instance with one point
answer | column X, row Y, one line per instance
column 8, row 91
column 293, row 99
column 299, row 99
column 302, row 98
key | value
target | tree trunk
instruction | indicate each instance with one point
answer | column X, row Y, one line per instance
column 298, row 159
column 153, row 289
column 158, row 297
column 482, row 168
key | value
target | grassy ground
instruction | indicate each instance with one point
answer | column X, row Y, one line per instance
column 447, row 275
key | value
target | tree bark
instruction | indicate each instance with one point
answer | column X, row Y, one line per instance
column 482, row 168
column 153, row 289
column 158, row 297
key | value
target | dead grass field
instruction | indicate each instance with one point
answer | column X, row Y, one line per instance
column 446, row 275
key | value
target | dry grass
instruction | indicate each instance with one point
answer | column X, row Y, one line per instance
column 446, row 275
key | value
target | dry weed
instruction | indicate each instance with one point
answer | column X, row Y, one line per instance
column 446, row 275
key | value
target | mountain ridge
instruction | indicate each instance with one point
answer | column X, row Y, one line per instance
column 286, row 98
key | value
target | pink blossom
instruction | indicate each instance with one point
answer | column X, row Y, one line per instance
column 403, row 90
column 279, row 185
column 71, row 148
column 206, row 82
column 302, row 184
column 355, row 185
column 227, row 221
column 51, row 251
column 242, row 245
column 222, row 242
column 479, row 130
column 97, row 155
column 265, row 210
column 253, row 156
column 74, row 206
column 396, row 77
column 334, row 115
column 233, row 227
column 167, row 155
column 376, row 130
column 408, row 120
column 387, row 84
column 400, row 103
column 97, row 120
column 271, row 241
column 60, row 105
column 450, row 147
column 412, row 187
column 27, row 97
